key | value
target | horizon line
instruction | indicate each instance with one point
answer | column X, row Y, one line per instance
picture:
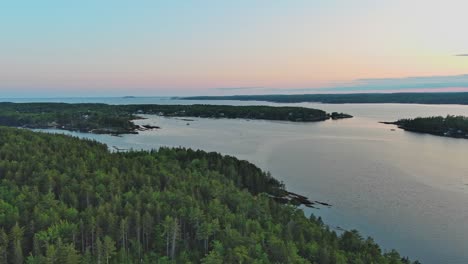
column 187, row 96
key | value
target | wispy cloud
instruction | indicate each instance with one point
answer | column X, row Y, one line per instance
column 428, row 83
column 407, row 84
column 238, row 88
column 462, row 55
column 425, row 82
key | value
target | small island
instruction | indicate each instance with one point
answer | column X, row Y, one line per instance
column 118, row 119
column 449, row 126
column 336, row 115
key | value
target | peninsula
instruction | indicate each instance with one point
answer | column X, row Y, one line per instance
column 117, row 119
column 73, row 201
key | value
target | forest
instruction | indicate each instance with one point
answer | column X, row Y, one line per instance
column 357, row 98
column 449, row 126
column 68, row 200
column 117, row 119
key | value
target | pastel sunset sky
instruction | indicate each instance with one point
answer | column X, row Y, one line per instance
column 163, row 48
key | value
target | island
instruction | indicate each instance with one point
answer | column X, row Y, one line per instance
column 356, row 98
column 336, row 115
column 449, row 126
column 70, row 200
column 118, row 119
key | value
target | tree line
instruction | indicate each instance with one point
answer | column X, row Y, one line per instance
column 357, row 98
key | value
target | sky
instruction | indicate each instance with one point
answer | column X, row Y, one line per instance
column 163, row 48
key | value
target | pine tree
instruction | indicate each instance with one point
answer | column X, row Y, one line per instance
column 108, row 247
column 16, row 237
column 4, row 242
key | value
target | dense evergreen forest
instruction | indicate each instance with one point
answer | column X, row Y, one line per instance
column 449, row 126
column 402, row 98
column 68, row 200
column 117, row 119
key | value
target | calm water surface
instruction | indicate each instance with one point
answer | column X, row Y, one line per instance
column 408, row 191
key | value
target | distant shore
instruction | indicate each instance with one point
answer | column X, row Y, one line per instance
column 460, row 98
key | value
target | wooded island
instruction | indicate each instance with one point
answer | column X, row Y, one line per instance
column 449, row 126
